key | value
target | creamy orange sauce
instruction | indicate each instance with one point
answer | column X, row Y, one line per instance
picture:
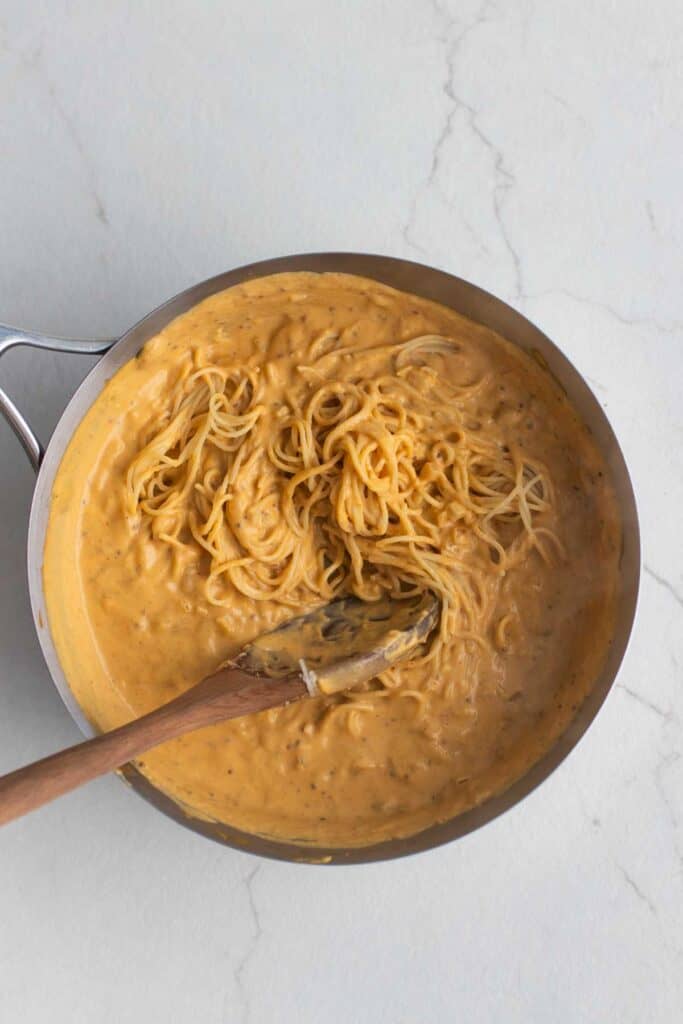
column 133, row 627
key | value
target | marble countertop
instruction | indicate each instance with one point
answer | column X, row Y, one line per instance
column 533, row 148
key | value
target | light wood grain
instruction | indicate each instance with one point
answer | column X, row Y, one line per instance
column 230, row 693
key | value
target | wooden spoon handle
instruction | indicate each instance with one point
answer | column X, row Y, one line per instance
column 230, row 693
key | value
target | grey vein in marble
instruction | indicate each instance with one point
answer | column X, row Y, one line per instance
column 32, row 61
column 663, row 582
column 643, row 897
column 644, row 701
column 72, row 132
column 251, row 947
column 665, row 762
column 651, row 217
column 673, row 327
column 503, row 177
column 566, row 106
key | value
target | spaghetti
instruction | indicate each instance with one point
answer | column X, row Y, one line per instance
column 347, row 484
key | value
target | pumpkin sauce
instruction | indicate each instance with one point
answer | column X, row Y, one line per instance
column 134, row 624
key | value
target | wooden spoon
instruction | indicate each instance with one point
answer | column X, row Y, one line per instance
column 330, row 649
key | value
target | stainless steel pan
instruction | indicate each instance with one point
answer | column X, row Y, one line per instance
column 411, row 277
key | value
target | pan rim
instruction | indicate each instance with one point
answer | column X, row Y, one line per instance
column 388, row 270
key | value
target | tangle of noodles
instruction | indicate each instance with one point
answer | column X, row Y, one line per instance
column 345, row 485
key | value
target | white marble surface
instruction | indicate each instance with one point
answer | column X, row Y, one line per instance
column 532, row 147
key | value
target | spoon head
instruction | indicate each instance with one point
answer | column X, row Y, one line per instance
column 344, row 643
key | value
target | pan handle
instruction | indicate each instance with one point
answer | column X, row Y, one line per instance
column 11, row 337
